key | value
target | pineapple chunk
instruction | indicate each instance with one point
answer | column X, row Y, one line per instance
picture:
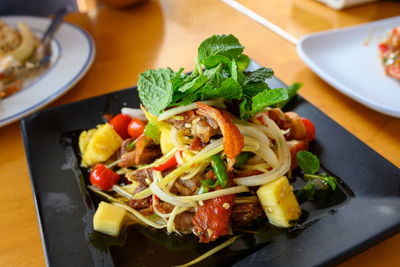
column 165, row 140
column 279, row 202
column 104, row 142
column 109, row 219
column 84, row 139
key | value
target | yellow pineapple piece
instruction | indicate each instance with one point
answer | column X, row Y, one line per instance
column 109, row 219
column 279, row 202
column 103, row 143
column 165, row 140
column 84, row 139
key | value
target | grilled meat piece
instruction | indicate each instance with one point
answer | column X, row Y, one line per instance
column 246, row 213
column 184, row 222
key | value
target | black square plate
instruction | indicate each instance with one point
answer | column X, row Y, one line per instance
column 368, row 212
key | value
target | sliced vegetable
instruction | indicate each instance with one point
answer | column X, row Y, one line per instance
column 219, row 168
column 171, row 163
column 120, row 124
column 233, row 139
column 153, row 132
column 103, row 178
column 136, row 127
column 242, row 159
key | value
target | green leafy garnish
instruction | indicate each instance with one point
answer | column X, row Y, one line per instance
column 259, row 75
column 307, row 192
column 307, row 161
column 267, row 98
column 155, row 89
column 243, row 62
column 292, row 91
column 153, row 132
column 223, row 77
column 219, row 45
column 230, row 89
column 329, row 180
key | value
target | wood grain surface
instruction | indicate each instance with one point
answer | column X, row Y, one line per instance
column 166, row 33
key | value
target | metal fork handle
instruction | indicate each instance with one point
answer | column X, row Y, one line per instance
column 55, row 23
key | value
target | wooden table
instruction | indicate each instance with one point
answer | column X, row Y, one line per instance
column 167, row 33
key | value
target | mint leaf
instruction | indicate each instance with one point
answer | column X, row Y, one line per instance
column 153, row 132
column 230, row 89
column 214, row 76
column 308, row 162
column 243, row 61
column 331, row 181
column 236, row 74
column 267, row 98
column 225, row 45
column 187, row 98
column 259, row 75
column 245, row 110
column 195, row 84
column 179, row 78
column 307, row 192
column 214, row 60
column 155, row 89
column 252, row 89
column 292, row 91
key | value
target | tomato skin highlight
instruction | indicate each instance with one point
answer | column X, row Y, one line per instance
column 136, row 128
column 120, row 124
column 103, row 178
column 310, row 129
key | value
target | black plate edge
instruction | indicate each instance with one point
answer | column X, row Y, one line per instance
column 33, row 187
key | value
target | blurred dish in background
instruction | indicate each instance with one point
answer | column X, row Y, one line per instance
column 119, row 4
column 73, row 52
column 341, row 4
column 390, row 53
column 17, row 47
column 348, row 59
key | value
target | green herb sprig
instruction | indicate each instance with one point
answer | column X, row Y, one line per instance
column 309, row 164
column 224, row 76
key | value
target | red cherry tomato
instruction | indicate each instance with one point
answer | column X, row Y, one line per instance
column 310, row 129
column 383, row 48
column 120, row 124
column 136, row 128
column 103, row 178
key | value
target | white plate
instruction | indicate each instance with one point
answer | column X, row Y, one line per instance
column 73, row 52
column 348, row 59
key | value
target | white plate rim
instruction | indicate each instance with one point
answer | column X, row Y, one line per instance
column 62, row 89
column 336, row 83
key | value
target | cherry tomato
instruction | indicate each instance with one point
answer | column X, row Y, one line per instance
column 103, row 178
column 172, row 162
column 383, row 48
column 120, row 124
column 136, row 128
column 310, row 129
